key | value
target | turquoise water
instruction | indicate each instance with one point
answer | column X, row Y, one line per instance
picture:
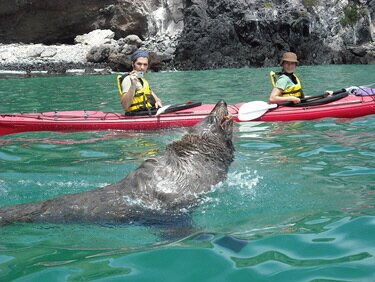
column 298, row 204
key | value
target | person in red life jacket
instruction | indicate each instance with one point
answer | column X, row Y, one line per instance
column 136, row 93
column 287, row 86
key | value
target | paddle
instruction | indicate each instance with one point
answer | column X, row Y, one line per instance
column 253, row 110
column 177, row 107
column 321, row 99
column 162, row 110
column 343, row 90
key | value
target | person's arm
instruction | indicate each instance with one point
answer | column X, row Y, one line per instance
column 128, row 94
column 158, row 103
column 276, row 98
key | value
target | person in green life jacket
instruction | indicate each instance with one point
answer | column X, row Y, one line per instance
column 287, row 86
column 136, row 92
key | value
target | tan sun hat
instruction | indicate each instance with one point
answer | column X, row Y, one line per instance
column 289, row 57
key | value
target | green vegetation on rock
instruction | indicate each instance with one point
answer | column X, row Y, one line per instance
column 351, row 15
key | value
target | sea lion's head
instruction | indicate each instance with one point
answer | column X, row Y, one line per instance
column 217, row 125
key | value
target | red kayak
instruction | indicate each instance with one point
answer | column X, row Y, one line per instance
column 347, row 106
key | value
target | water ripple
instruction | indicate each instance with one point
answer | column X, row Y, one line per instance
column 8, row 157
column 326, row 149
column 260, row 145
column 355, row 170
column 283, row 258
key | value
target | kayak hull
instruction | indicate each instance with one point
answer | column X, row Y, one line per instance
column 349, row 107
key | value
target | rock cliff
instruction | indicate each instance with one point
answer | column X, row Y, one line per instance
column 60, row 21
column 195, row 34
column 254, row 33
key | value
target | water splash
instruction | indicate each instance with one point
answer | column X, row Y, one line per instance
column 244, row 182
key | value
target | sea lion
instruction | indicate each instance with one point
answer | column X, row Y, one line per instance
column 160, row 186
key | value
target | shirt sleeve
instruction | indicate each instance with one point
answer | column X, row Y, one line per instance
column 125, row 84
column 282, row 82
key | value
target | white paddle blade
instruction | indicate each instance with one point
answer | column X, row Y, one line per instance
column 254, row 110
column 162, row 110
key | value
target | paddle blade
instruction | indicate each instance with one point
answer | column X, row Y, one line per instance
column 253, row 110
column 162, row 110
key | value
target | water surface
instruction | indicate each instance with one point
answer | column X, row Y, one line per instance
column 298, row 204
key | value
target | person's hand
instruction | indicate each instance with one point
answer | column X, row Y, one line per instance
column 328, row 93
column 295, row 100
column 158, row 103
column 133, row 77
